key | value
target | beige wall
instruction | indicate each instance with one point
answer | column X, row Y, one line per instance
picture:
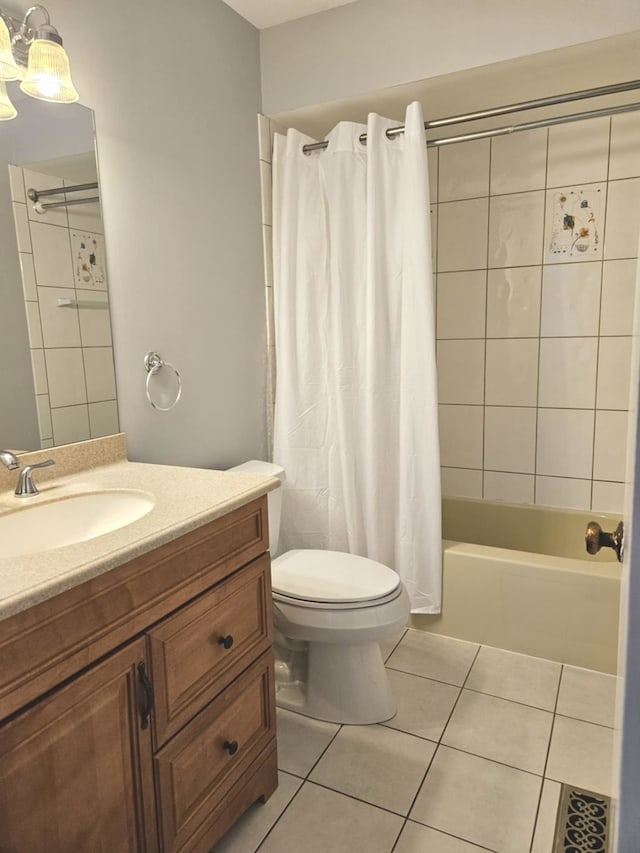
column 176, row 91
column 374, row 44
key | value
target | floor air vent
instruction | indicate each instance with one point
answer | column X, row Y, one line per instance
column 584, row 822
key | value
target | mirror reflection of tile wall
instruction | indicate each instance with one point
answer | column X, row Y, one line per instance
column 537, row 243
column 62, row 261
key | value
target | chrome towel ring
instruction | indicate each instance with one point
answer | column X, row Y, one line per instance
column 153, row 363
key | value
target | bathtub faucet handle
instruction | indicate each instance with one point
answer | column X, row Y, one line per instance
column 596, row 538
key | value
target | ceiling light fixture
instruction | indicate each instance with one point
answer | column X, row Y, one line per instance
column 33, row 53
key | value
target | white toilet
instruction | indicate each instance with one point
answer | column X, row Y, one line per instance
column 331, row 611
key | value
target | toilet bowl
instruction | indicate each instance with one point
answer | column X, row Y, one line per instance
column 331, row 611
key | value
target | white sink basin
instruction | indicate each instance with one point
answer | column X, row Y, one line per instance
column 69, row 520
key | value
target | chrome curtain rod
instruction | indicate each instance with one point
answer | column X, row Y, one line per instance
column 34, row 195
column 512, row 108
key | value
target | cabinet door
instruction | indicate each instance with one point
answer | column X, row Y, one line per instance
column 76, row 768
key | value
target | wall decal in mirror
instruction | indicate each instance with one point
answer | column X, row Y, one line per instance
column 58, row 383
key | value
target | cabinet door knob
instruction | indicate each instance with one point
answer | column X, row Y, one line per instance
column 227, row 641
column 231, row 746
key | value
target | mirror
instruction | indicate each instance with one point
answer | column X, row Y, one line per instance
column 57, row 381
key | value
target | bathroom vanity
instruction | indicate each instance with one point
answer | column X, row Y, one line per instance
column 137, row 703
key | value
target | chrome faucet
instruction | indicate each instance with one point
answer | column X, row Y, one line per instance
column 26, row 487
column 9, row 459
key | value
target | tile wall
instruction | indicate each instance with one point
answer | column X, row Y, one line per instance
column 62, row 258
column 535, row 254
column 533, row 319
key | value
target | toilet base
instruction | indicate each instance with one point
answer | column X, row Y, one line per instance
column 344, row 684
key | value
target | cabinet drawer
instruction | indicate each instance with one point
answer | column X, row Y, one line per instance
column 199, row 765
column 197, row 652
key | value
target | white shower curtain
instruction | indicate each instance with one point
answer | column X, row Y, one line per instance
column 356, row 403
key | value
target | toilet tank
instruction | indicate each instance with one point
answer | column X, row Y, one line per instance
column 274, row 497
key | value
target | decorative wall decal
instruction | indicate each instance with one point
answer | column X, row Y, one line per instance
column 88, row 260
column 575, row 231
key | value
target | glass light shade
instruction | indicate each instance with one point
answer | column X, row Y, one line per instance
column 48, row 76
column 8, row 67
column 7, row 110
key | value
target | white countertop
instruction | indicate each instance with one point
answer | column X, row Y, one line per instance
column 185, row 498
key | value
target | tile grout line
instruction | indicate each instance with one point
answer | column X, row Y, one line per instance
column 486, row 323
column 541, row 285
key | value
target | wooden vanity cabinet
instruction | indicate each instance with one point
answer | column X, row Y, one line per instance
column 83, row 765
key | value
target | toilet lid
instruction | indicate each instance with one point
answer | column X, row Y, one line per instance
column 331, row 577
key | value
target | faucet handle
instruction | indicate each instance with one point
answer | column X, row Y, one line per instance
column 26, row 486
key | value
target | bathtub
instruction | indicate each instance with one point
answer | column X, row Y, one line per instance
column 518, row 577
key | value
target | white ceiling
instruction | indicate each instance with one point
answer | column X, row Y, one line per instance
column 268, row 13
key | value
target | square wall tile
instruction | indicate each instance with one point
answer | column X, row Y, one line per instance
column 89, row 262
column 563, row 492
column 571, row 299
column 518, row 162
column 578, row 152
column 574, row 223
column 513, row 302
column 101, row 380
column 23, row 234
column 59, row 324
column 28, row 276
column 614, row 373
column 34, row 325
column 460, row 371
column 462, row 235
column 85, row 217
column 95, row 323
column 610, row 454
column 461, row 482
column 624, row 158
column 39, row 371
column 16, row 182
column 565, row 443
column 461, row 303
column 464, row 170
column 607, row 497
column 65, row 370
column 510, row 439
column 513, row 488
column 568, row 368
column 460, row 436
column 515, row 229
column 44, row 416
column 623, row 219
column 70, row 423
column 512, row 372
column 103, row 418
column 618, row 297
column 52, row 255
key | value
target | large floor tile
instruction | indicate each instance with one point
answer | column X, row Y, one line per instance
column 503, row 731
column 248, row 832
column 389, row 645
column 424, row 705
column 375, row 764
column 525, row 679
column 546, row 821
column 323, row 821
column 581, row 754
column 587, row 695
column 483, row 802
column 416, row 838
column 433, row 656
column 301, row 741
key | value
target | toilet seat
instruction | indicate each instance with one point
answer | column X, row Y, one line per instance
column 332, row 580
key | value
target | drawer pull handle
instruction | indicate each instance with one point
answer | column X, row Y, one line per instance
column 231, row 746
column 147, row 686
column 227, row 641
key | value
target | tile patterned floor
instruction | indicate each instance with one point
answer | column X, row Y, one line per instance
column 472, row 761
